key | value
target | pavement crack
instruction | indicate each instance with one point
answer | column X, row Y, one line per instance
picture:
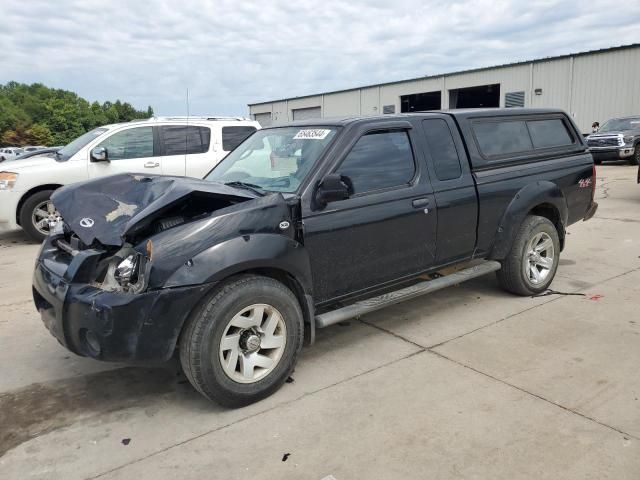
column 241, row 420
column 431, row 350
column 18, row 303
column 393, row 334
column 577, row 292
column 624, row 220
column 535, row 395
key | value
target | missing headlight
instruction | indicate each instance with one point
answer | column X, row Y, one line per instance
column 126, row 272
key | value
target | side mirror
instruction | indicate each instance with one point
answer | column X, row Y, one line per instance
column 332, row 188
column 99, row 154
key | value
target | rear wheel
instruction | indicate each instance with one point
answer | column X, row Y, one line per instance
column 38, row 214
column 531, row 265
column 243, row 343
column 635, row 160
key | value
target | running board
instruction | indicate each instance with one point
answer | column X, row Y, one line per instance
column 365, row 306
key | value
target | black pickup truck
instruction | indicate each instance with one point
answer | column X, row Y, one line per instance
column 303, row 226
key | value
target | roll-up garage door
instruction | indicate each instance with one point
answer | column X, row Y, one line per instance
column 264, row 119
column 307, row 113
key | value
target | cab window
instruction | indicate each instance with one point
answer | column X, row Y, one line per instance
column 131, row 143
column 378, row 161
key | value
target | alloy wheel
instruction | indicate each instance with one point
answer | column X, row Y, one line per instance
column 44, row 216
column 252, row 343
column 539, row 258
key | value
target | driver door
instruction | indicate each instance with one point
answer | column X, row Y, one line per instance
column 129, row 151
column 385, row 230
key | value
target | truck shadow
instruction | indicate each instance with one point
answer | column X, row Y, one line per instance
column 15, row 237
column 44, row 407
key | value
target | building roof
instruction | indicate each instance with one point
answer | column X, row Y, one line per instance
column 461, row 113
column 459, row 72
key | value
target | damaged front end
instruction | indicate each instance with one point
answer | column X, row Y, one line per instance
column 95, row 300
column 105, row 279
column 113, row 269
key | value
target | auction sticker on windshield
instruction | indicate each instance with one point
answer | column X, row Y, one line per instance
column 312, row 134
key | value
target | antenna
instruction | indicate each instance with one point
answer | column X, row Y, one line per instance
column 186, row 135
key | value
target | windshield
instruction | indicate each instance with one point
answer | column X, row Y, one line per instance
column 72, row 148
column 276, row 159
column 620, row 124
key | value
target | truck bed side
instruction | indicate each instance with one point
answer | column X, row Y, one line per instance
column 556, row 184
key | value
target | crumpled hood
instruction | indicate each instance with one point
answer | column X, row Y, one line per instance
column 108, row 208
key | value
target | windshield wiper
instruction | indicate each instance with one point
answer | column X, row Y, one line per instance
column 248, row 186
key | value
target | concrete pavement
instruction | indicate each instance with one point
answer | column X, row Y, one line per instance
column 469, row 382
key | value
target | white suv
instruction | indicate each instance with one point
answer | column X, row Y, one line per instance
column 162, row 145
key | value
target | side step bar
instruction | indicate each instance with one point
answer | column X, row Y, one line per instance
column 365, row 306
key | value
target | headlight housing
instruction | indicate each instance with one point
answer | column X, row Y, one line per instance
column 628, row 138
column 126, row 274
column 7, row 180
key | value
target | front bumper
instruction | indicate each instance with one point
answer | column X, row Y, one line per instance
column 612, row 153
column 110, row 326
column 9, row 200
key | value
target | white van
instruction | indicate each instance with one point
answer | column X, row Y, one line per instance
column 161, row 145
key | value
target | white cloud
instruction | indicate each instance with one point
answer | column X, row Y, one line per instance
column 230, row 53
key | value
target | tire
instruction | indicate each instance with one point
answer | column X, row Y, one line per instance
column 207, row 364
column 597, row 161
column 28, row 215
column 635, row 160
column 517, row 274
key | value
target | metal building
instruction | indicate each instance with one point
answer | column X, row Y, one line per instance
column 591, row 86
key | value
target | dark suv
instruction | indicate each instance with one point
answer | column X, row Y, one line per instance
column 303, row 226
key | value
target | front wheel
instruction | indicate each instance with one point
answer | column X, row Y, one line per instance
column 38, row 214
column 532, row 263
column 635, row 160
column 242, row 344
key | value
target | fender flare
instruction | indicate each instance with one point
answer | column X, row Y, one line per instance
column 262, row 251
column 246, row 252
column 541, row 194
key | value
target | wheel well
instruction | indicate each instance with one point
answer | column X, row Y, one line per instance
column 285, row 278
column 39, row 188
column 551, row 213
column 298, row 290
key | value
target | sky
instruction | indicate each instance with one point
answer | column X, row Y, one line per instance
column 231, row 53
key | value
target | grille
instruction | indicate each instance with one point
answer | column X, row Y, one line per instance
column 603, row 142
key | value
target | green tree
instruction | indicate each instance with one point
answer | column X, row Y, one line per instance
column 37, row 114
column 39, row 134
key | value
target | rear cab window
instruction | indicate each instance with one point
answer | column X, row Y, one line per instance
column 513, row 138
column 547, row 133
column 444, row 154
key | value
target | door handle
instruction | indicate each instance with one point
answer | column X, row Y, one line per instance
column 420, row 202
column 151, row 164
